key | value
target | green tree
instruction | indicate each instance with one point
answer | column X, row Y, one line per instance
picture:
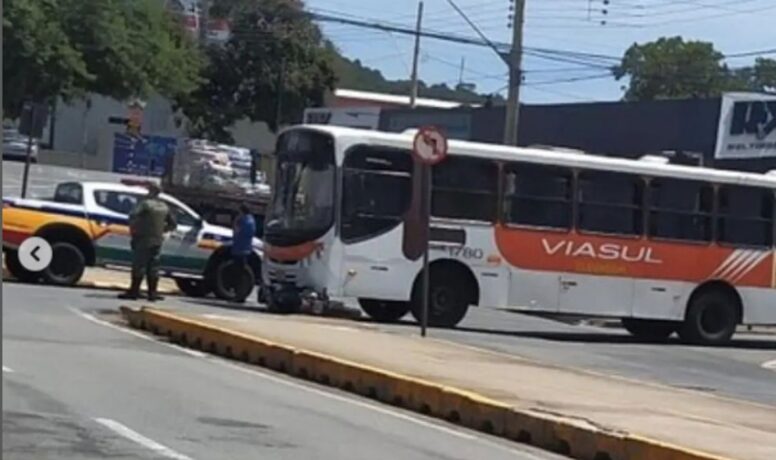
column 760, row 77
column 68, row 48
column 274, row 51
column 672, row 68
column 39, row 61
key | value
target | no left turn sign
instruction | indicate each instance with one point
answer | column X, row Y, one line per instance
column 429, row 145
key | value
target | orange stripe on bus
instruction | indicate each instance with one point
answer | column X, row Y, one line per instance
column 632, row 257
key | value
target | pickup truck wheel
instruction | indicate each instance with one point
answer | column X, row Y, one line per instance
column 18, row 271
column 67, row 265
column 384, row 311
column 233, row 283
column 193, row 288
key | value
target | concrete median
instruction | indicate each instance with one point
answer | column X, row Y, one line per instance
column 593, row 418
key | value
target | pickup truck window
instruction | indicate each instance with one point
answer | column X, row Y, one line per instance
column 181, row 216
column 120, row 202
column 70, row 193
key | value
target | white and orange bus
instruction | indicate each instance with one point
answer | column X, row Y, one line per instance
column 666, row 248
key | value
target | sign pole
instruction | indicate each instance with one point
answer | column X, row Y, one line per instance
column 27, row 160
column 33, row 119
column 426, row 271
column 429, row 148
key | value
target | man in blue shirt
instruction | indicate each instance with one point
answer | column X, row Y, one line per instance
column 244, row 228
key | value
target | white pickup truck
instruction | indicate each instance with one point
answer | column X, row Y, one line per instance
column 87, row 224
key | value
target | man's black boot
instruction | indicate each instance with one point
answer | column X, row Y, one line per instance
column 134, row 290
column 153, row 284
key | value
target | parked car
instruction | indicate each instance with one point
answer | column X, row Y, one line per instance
column 15, row 145
column 86, row 224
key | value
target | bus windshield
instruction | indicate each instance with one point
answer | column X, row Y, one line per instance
column 302, row 207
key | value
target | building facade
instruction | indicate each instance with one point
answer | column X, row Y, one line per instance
column 688, row 128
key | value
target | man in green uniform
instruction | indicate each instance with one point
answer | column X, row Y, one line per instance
column 148, row 223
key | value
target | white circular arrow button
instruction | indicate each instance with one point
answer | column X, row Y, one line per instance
column 35, row 254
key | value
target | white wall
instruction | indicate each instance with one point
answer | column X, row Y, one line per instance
column 84, row 138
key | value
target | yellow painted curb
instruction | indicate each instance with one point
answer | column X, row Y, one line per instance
column 575, row 438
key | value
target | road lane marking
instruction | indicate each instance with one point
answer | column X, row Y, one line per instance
column 306, row 387
column 264, row 375
column 771, row 365
column 366, row 405
column 94, row 319
column 7, row 369
column 134, row 436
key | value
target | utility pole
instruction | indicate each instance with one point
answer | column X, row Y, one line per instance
column 415, row 55
column 515, row 75
column 204, row 19
column 460, row 73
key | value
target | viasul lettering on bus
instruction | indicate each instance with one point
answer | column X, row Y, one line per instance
column 605, row 251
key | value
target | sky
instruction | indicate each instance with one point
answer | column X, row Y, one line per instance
column 605, row 28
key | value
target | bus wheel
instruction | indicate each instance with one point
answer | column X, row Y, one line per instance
column 449, row 298
column 384, row 311
column 650, row 329
column 711, row 318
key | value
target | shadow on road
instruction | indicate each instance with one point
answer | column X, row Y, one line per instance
column 599, row 337
column 247, row 307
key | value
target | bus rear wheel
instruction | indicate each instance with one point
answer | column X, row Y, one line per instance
column 384, row 311
column 650, row 329
column 448, row 300
column 712, row 318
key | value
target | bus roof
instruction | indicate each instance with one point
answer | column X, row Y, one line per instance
column 551, row 157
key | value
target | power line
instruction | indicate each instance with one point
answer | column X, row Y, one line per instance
column 752, row 53
column 568, row 80
column 456, row 38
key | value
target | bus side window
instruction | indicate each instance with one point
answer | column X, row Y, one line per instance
column 376, row 191
column 680, row 209
column 537, row 196
column 610, row 202
column 465, row 188
column 745, row 215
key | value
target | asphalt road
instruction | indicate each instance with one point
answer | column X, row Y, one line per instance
column 75, row 387
column 736, row 371
column 744, row 369
column 43, row 178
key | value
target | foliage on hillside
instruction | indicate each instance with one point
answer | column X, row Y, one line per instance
column 354, row 75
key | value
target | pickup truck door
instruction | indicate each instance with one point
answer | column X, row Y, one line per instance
column 182, row 251
column 109, row 218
